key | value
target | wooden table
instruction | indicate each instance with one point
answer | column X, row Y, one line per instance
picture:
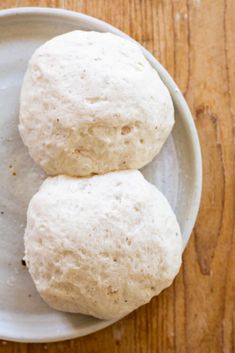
column 195, row 41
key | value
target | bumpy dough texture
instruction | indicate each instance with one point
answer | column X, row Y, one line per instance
column 103, row 245
column 92, row 103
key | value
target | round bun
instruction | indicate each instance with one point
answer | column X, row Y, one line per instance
column 91, row 103
column 103, row 245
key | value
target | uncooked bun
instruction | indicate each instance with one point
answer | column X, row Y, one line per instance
column 103, row 245
column 92, row 103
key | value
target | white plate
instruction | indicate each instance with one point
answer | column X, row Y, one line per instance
column 176, row 171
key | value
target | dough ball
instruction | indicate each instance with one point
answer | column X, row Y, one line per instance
column 91, row 103
column 103, row 245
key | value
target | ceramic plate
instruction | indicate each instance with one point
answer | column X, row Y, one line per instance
column 176, row 171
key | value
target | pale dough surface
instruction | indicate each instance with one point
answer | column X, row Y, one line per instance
column 101, row 246
column 92, row 103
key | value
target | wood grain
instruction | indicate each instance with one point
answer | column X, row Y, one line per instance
column 195, row 41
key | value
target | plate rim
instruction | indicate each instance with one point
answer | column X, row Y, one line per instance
column 186, row 117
